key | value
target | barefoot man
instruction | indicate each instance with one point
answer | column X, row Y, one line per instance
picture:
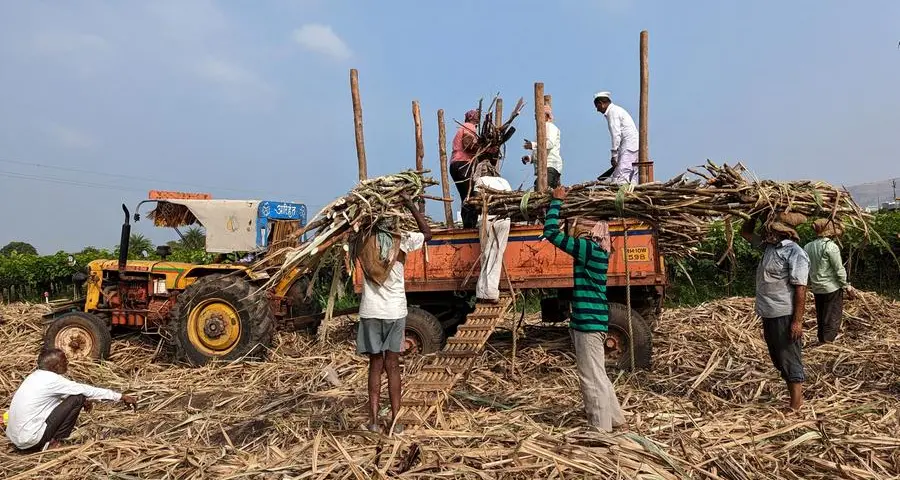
column 382, row 306
column 781, row 296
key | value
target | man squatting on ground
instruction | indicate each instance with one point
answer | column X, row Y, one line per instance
column 46, row 405
column 827, row 278
column 781, row 296
column 382, row 306
column 554, row 159
column 589, row 246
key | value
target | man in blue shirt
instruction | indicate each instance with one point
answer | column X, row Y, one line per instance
column 781, row 296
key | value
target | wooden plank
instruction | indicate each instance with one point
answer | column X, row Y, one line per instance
column 541, row 134
column 445, row 178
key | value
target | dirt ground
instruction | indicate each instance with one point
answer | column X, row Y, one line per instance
column 711, row 407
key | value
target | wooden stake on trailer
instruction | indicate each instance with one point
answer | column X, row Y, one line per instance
column 645, row 165
column 498, row 116
column 541, row 150
column 358, row 124
column 445, row 180
column 420, row 145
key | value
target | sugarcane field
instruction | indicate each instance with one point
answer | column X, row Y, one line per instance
column 359, row 250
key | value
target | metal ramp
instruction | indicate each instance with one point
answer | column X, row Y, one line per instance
column 425, row 392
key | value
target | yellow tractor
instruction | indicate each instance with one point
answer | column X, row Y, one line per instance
column 213, row 312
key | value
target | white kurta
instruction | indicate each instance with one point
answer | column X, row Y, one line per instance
column 624, row 137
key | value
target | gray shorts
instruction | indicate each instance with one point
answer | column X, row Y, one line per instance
column 376, row 335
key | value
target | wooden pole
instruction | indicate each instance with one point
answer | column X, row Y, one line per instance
column 420, row 145
column 645, row 169
column 445, row 180
column 541, row 150
column 358, row 125
column 548, row 100
column 498, row 116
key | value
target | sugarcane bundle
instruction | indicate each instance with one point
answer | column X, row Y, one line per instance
column 683, row 208
column 354, row 214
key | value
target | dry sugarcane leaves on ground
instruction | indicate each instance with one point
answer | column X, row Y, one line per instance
column 682, row 208
column 711, row 408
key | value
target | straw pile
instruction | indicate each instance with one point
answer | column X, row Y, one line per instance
column 682, row 208
column 710, row 409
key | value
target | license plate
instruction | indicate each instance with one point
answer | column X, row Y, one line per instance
column 638, row 254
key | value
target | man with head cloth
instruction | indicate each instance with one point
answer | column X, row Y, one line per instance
column 624, row 136
column 781, row 279
column 465, row 147
column 827, row 278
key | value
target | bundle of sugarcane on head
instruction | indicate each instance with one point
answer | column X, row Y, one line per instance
column 477, row 151
column 682, row 209
column 376, row 201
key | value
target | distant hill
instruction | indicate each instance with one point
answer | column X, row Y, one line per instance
column 870, row 193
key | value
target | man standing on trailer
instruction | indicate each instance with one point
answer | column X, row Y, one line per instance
column 781, row 296
column 46, row 405
column 465, row 146
column 554, row 159
column 589, row 247
column 382, row 306
column 624, row 136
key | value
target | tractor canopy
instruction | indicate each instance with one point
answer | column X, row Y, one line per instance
column 232, row 225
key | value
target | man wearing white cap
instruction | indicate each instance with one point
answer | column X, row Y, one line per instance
column 554, row 160
column 624, row 137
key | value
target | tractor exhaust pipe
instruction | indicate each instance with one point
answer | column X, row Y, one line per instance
column 124, row 241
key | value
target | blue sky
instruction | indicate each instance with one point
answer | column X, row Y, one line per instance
column 252, row 100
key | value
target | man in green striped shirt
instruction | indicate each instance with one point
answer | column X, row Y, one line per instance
column 589, row 247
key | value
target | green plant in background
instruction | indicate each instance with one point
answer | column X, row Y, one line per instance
column 705, row 278
column 21, row 248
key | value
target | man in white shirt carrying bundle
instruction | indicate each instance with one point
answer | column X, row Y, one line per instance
column 46, row 406
column 554, row 159
column 624, row 136
column 382, row 306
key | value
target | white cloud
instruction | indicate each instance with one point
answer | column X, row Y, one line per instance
column 322, row 39
column 71, row 138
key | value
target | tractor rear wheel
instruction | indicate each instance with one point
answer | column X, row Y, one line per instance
column 219, row 318
column 618, row 346
column 81, row 335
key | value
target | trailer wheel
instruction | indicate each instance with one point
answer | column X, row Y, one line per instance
column 617, row 345
column 424, row 333
column 218, row 317
column 81, row 335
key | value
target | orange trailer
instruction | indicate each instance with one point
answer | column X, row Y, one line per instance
column 440, row 283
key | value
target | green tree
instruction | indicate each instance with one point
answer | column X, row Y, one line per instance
column 21, row 248
column 138, row 244
column 193, row 238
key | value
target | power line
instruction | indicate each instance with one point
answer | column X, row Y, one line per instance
column 126, row 177
column 86, row 184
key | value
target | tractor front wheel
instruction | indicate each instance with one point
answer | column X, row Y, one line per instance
column 80, row 335
column 219, row 318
